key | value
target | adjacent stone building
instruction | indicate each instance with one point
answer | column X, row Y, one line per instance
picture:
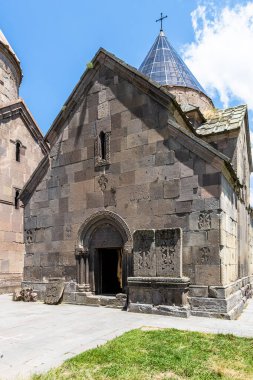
column 145, row 192
column 21, row 149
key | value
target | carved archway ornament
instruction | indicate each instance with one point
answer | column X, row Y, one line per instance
column 91, row 223
column 84, row 251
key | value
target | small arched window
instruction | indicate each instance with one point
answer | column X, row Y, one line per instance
column 16, row 199
column 103, row 145
column 18, row 145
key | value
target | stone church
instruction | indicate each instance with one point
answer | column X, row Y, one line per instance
column 142, row 199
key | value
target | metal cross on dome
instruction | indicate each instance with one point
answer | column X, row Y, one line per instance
column 161, row 19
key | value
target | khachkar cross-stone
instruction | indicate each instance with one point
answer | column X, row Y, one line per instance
column 161, row 19
column 157, row 253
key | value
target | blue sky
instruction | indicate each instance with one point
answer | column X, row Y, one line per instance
column 55, row 39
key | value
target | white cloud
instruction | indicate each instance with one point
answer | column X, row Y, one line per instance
column 222, row 55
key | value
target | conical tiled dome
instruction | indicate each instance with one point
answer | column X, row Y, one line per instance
column 164, row 65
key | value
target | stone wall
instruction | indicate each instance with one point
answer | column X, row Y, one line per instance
column 13, row 176
column 225, row 143
column 187, row 96
column 250, row 253
column 229, row 246
column 242, row 165
column 234, row 145
column 9, row 79
column 153, row 179
column 235, row 218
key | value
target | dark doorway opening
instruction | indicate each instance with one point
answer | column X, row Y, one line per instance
column 110, row 268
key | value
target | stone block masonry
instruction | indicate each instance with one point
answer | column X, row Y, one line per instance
column 149, row 182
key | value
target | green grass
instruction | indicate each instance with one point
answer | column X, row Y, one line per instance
column 161, row 354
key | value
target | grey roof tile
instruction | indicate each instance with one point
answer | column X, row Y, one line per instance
column 220, row 121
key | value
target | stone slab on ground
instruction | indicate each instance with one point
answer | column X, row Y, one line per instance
column 35, row 337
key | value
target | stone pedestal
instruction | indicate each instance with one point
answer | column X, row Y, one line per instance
column 159, row 295
column 158, row 286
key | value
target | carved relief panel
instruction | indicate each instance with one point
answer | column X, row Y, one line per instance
column 168, row 252
column 158, row 253
column 144, row 253
column 29, row 236
column 204, row 221
column 54, row 291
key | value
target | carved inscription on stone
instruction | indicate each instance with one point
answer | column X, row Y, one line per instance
column 102, row 181
column 204, row 255
column 158, row 253
column 168, row 252
column 54, row 291
column 204, row 221
column 144, row 253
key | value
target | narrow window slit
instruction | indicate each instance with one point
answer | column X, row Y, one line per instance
column 103, row 145
column 16, row 200
column 18, row 151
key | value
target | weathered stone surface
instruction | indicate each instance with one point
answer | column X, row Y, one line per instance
column 144, row 253
column 172, row 188
column 208, row 274
column 198, row 291
column 54, row 291
column 165, row 158
column 25, row 294
column 159, row 295
column 153, row 174
column 168, row 244
column 175, row 311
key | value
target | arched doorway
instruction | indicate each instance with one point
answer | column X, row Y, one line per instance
column 104, row 254
column 106, row 245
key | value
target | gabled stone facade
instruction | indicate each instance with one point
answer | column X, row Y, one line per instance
column 132, row 200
